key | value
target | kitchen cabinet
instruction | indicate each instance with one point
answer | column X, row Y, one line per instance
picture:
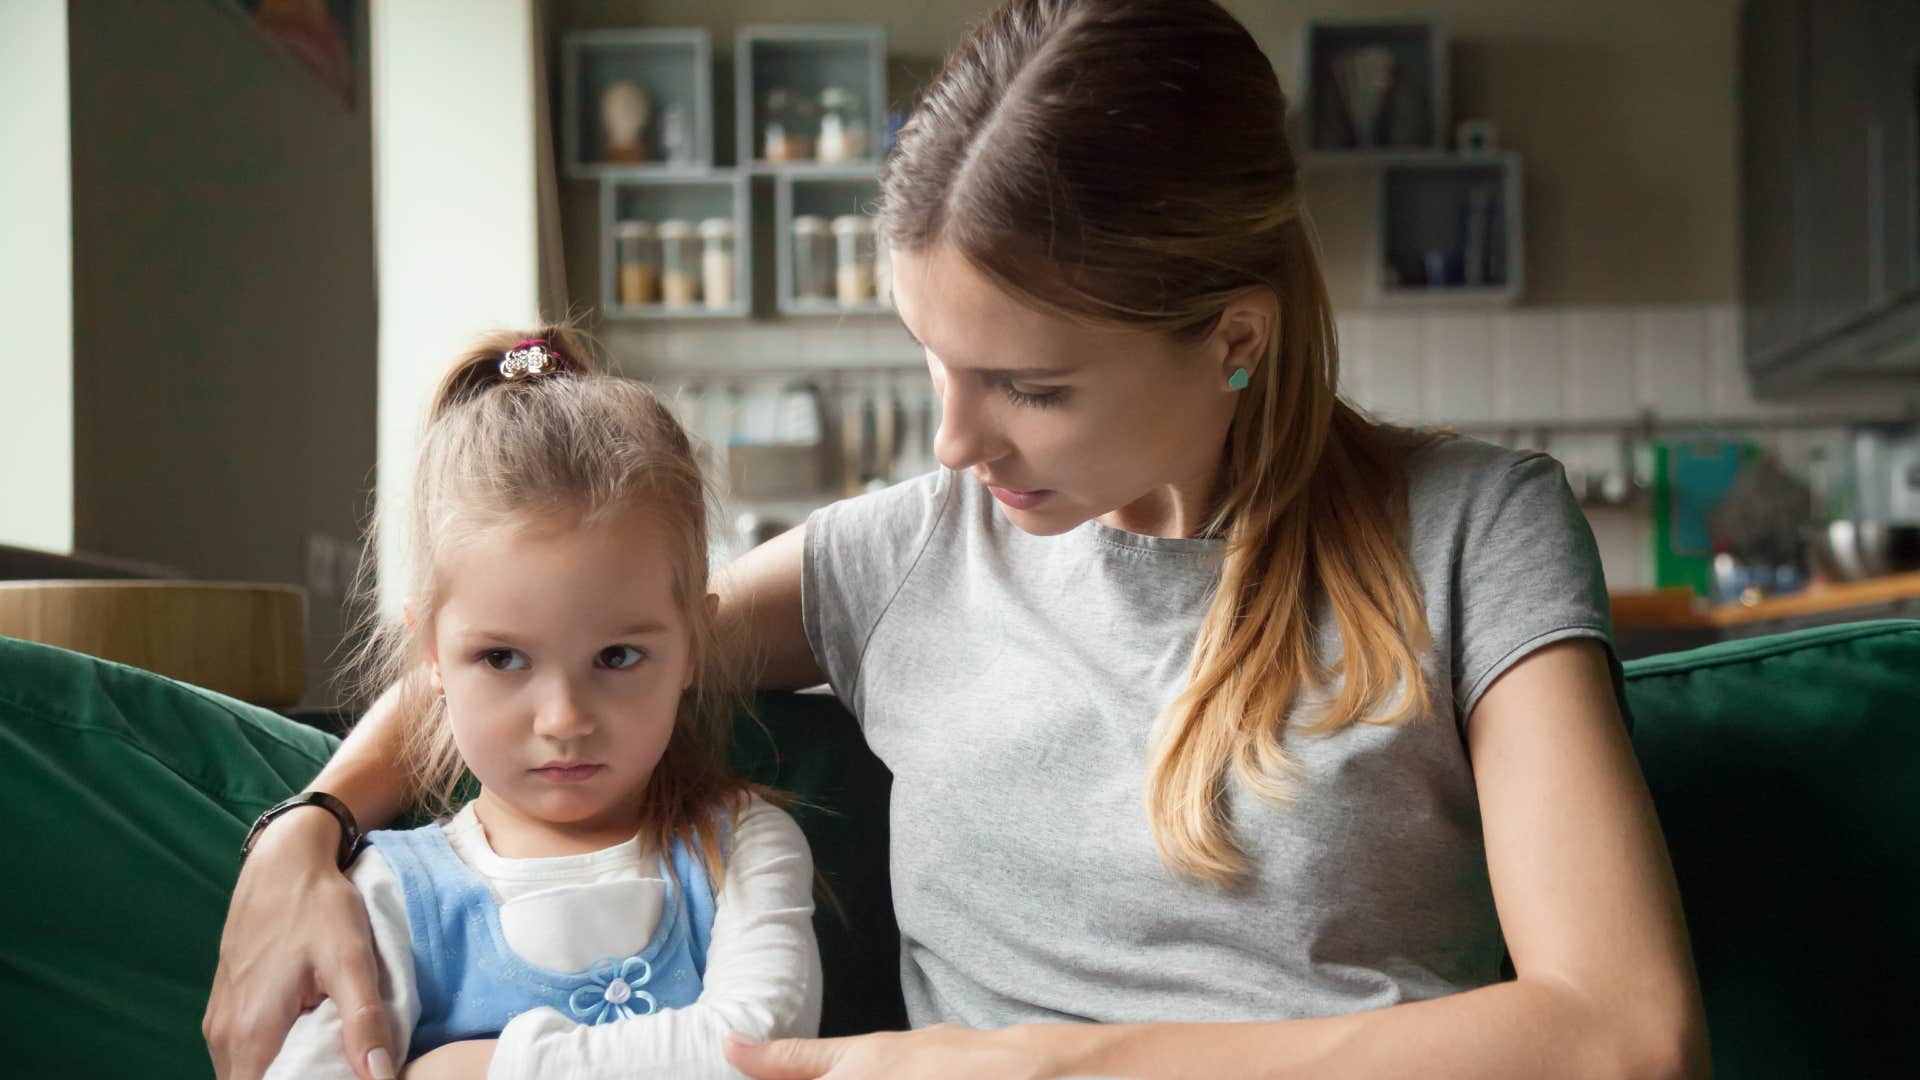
column 1831, row 261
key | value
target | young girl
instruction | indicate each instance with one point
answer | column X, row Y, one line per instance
column 611, row 901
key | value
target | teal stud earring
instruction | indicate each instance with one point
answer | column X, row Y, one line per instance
column 1239, row 379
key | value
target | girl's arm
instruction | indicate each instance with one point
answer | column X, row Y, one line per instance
column 762, row 977
column 312, row 1048
column 1587, row 901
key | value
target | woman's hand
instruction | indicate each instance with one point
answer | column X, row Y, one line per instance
column 455, row 1061
column 296, row 934
column 946, row 1052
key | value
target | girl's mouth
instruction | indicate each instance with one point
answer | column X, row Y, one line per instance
column 567, row 774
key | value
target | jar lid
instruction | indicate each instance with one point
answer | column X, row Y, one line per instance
column 675, row 229
column 808, row 225
column 633, row 230
column 852, row 225
column 715, row 227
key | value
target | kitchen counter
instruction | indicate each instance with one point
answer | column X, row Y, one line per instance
column 1677, row 608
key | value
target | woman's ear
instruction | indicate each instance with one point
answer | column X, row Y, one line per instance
column 1240, row 338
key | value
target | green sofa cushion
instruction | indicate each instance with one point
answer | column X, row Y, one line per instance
column 1781, row 768
column 1777, row 765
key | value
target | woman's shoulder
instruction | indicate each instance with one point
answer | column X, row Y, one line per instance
column 1450, row 476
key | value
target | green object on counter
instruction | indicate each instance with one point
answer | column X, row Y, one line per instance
column 1689, row 479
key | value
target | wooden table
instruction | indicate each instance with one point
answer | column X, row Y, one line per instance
column 1667, row 619
column 243, row 639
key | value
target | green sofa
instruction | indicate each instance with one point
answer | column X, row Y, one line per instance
column 1781, row 767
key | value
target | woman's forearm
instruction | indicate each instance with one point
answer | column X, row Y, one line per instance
column 1522, row 1029
column 367, row 771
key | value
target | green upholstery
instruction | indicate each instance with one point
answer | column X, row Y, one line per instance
column 1783, row 769
column 1777, row 765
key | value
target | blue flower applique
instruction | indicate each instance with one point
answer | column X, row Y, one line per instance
column 615, row 992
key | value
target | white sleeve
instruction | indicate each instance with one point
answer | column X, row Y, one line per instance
column 762, row 978
column 312, row 1049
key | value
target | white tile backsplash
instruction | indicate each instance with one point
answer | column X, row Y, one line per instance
column 1458, row 377
column 1672, row 367
column 1529, row 366
column 1600, row 365
column 1396, row 363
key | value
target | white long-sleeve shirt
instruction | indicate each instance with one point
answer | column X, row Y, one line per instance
column 763, row 965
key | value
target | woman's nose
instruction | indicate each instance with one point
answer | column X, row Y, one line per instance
column 964, row 439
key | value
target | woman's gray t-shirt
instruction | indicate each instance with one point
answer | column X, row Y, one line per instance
column 1010, row 682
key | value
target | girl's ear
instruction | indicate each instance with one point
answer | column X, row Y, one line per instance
column 427, row 649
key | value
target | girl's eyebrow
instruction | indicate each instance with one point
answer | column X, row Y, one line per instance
column 650, row 626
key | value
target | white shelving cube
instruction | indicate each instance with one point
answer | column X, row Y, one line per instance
column 1413, row 116
column 827, row 193
column 656, row 198
column 804, row 60
column 1426, row 211
column 672, row 66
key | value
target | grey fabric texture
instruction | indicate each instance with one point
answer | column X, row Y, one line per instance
column 1011, row 683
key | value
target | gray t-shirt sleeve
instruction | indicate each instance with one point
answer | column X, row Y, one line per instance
column 1527, row 574
column 859, row 552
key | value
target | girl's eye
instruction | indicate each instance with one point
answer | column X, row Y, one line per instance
column 1044, row 399
column 503, row 659
column 620, row 657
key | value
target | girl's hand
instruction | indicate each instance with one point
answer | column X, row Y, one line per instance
column 296, row 934
column 946, row 1052
column 454, row 1061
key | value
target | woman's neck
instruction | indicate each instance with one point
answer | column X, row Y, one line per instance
column 513, row 834
column 1177, row 510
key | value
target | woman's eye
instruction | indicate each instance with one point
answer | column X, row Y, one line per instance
column 1039, row 399
column 503, row 659
column 620, row 657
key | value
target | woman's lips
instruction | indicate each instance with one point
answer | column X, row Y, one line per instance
column 1020, row 500
column 568, row 774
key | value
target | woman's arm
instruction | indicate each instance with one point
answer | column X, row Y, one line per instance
column 760, row 613
column 296, row 931
column 312, row 1047
column 1587, row 903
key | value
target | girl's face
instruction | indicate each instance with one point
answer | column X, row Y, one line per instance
column 1063, row 421
column 563, row 657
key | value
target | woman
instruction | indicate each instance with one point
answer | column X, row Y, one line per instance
column 1231, row 731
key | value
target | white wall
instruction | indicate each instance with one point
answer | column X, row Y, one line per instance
column 36, row 279
column 455, row 207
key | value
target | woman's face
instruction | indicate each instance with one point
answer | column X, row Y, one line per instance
column 1063, row 421
column 563, row 655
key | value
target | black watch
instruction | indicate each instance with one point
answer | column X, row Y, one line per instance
column 351, row 841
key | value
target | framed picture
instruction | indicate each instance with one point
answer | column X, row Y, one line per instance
column 321, row 34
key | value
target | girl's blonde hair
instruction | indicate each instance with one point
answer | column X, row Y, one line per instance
column 1124, row 162
column 573, row 447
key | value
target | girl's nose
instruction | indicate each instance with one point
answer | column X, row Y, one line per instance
column 563, row 714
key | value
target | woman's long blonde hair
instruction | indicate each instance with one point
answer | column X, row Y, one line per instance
column 576, row 446
column 1125, row 161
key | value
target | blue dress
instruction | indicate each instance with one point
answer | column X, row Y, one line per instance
column 471, row 982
